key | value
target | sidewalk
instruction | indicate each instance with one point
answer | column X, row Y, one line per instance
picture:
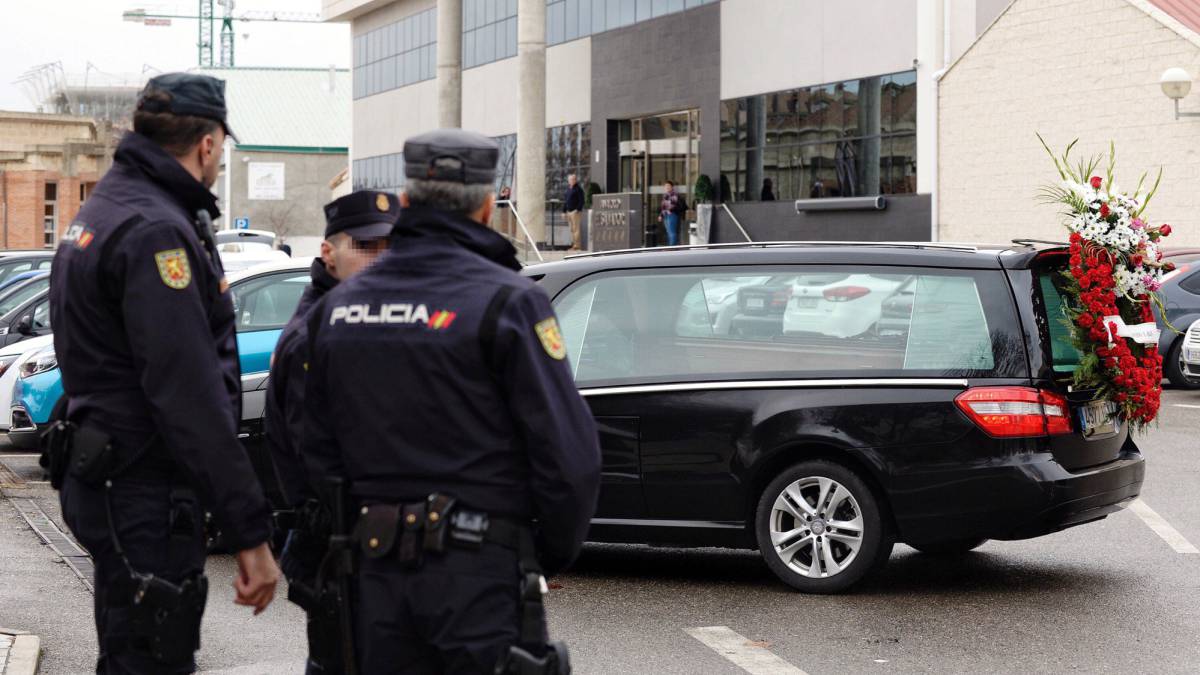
column 19, row 652
column 44, row 607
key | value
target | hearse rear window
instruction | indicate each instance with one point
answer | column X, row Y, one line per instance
column 780, row 323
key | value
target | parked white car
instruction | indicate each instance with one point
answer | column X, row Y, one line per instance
column 12, row 358
column 840, row 305
column 1189, row 355
column 243, row 249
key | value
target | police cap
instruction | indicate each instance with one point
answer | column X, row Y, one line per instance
column 451, row 155
column 189, row 94
column 365, row 214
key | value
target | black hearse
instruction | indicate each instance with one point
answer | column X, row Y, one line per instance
column 916, row 393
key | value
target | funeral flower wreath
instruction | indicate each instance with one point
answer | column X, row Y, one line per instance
column 1115, row 272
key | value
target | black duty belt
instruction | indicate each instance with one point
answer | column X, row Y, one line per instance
column 412, row 530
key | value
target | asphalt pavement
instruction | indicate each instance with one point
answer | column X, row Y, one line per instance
column 1121, row 595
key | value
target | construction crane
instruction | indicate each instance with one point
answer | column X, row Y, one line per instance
column 207, row 18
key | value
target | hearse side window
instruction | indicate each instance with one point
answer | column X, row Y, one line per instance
column 697, row 325
column 1063, row 353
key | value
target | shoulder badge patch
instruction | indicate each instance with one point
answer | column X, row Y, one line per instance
column 173, row 268
column 551, row 337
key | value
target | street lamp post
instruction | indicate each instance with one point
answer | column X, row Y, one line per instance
column 1176, row 83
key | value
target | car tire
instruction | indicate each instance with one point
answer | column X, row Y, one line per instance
column 811, row 546
column 1173, row 368
column 950, row 547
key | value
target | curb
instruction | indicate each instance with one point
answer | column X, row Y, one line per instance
column 24, row 655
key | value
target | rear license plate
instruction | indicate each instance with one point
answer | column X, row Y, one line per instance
column 1191, row 355
column 806, row 303
column 754, row 303
column 1098, row 418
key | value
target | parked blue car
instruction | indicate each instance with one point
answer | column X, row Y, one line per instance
column 264, row 298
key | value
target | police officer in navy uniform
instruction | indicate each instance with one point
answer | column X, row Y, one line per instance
column 144, row 335
column 439, row 389
column 357, row 229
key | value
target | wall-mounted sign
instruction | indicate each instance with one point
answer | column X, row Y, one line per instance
column 616, row 222
column 265, row 180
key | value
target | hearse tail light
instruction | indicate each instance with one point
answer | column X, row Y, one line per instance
column 1014, row 412
column 845, row 293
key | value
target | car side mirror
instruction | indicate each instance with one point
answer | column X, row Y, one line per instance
column 25, row 325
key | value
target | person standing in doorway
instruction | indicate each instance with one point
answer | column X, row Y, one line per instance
column 502, row 220
column 573, row 205
column 671, row 211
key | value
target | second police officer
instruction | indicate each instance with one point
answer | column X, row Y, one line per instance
column 357, row 227
column 438, row 388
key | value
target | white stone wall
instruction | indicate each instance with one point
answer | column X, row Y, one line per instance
column 1068, row 69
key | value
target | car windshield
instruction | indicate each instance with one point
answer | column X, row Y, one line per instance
column 19, row 294
column 1062, row 349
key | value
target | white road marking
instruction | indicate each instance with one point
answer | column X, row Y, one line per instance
column 1186, row 405
column 1162, row 528
column 738, row 650
column 4, row 455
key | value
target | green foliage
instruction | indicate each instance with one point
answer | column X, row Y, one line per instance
column 592, row 190
column 703, row 191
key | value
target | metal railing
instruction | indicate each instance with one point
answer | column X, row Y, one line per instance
column 529, row 242
column 736, row 222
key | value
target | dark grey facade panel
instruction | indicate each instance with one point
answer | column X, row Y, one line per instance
column 906, row 218
column 662, row 65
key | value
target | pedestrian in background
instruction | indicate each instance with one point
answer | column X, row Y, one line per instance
column 671, row 211
column 503, row 218
column 438, row 389
column 768, row 191
column 573, row 206
column 357, row 227
column 144, row 335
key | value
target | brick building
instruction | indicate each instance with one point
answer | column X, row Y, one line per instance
column 1086, row 69
column 48, row 166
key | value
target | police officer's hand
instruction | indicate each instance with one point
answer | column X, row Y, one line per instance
column 256, row 579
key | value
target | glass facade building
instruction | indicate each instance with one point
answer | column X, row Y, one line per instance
column 844, row 139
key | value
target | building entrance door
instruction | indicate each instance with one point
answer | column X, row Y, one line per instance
column 656, row 149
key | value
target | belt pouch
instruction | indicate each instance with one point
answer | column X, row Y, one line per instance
column 410, row 541
column 439, row 508
column 376, row 531
column 92, row 456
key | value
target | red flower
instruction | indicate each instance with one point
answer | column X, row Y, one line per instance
column 1165, row 230
column 1085, row 320
column 1104, row 210
column 1096, row 182
column 1135, row 259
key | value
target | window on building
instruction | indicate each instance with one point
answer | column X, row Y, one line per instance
column 844, row 139
column 568, row 20
column 50, row 215
column 396, row 55
column 384, row 173
column 489, row 31
column 568, row 150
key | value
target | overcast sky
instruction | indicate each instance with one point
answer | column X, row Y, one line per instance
column 76, row 32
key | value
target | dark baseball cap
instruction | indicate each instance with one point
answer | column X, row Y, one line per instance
column 190, row 94
column 451, row 155
column 365, row 214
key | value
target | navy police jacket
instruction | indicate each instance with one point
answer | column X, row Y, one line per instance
column 440, row 369
column 284, row 414
column 144, row 333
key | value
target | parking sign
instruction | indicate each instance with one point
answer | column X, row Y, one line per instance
column 241, row 223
